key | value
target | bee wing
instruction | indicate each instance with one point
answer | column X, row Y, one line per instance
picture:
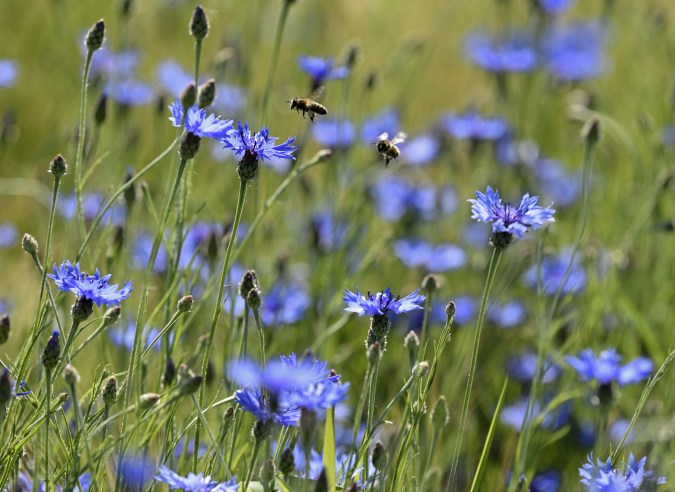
column 384, row 136
column 316, row 95
column 400, row 137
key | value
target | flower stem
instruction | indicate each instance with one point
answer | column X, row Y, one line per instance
column 285, row 6
column 428, row 303
column 496, row 254
column 261, row 337
column 48, row 398
column 80, row 143
column 371, row 411
column 249, row 472
column 83, row 430
column 219, row 300
column 198, row 54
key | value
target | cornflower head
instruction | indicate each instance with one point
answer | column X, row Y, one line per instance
column 323, row 394
column 68, row 278
column 607, row 368
column 512, row 52
column 8, row 235
column 320, row 69
column 285, row 303
column 9, row 70
column 254, row 146
column 129, row 92
column 191, row 483
column 316, row 370
column 574, row 52
column 474, row 126
column 553, row 269
column 334, row 133
column 198, row 125
column 387, row 120
column 416, row 253
column 523, row 368
column 281, row 375
column 508, row 221
column 555, row 7
column 422, row 150
column 631, row 477
column 397, row 198
column 253, row 401
column 507, row 315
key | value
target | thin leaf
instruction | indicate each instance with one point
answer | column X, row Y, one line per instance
column 329, row 448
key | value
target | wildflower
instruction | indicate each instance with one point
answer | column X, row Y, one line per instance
column 474, row 126
column 285, row 303
column 280, row 375
column 124, row 336
column 395, row 196
column 508, row 221
column 327, row 234
column 9, row 70
column 136, row 471
column 631, row 477
column 321, row 395
column 191, row 483
column 563, row 187
column 141, row 248
column 553, row 270
column 259, row 145
column 422, row 150
column 129, row 92
column 523, row 368
column 95, row 288
column 513, row 415
column 574, row 52
column 548, row 481
column 227, row 486
column 109, row 391
column 507, row 315
column 416, row 253
column 386, row 120
column 119, row 65
column 95, row 35
column 253, row 401
column 334, row 133
column 8, row 235
column 321, row 70
column 381, row 302
column 512, row 52
column 197, row 123
column 316, row 371
column 555, row 7
column 617, row 430
column 315, row 461
column 608, row 368
column 52, row 352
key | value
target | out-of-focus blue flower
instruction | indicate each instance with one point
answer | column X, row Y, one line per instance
column 141, row 248
column 523, row 368
column 253, row 401
column 281, row 375
column 25, row 483
column 285, row 303
column 191, row 483
column 373, row 126
column 562, row 187
column 394, row 196
column 260, row 144
column 505, row 218
column 632, row 477
column 607, row 367
column 575, row 51
column 465, row 309
column 381, row 302
column 315, row 461
column 328, row 235
column 334, row 134
column 555, row 7
column 113, row 65
column 510, row 153
column 16, row 390
column 416, row 253
column 548, row 481
column 92, row 203
column 553, row 271
column 321, row 395
column 9, row 71
column 129, row 92
column 9, row 235
column 136, row 472
column 668, row 135
column 68, row 278
column 230, row 98
column 474, row 126
column 422, row 150
column 507, row 315
column 197, row 123
column 321, row 70
column 449, row 200
column 473, row 234
column 190, row 445
column 227, row 486
column 513, row 52
column 617, row 429
column 124, row 336
column 193, row 240
column 513, row 415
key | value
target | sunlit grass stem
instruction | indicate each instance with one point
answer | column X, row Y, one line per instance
column 80, row 143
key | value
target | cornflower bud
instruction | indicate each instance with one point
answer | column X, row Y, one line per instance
column 112, row 315
column 262, row 431
column 4, row 328
column 411, row 341
column 450, row 310
column 380, row 324
column 199, row 24
column 5, row 388
column 70, row 375
column 440, row 416
column 82, row 309
column 420, row 369
column 52, row 352
column 287, row 462
column 248, row 166
column 130, row 192
column 149, row 400
column 248, row 282
column 95, row 36
column 188, row 96
column 189, row 146
column 58, row 166
column 379, row 456
column 58, row 403
column 169, row 373
column 207, row 94
column 253, row 299
column 109, row 393
column 29, row 244
column 267, row 471
column 189, row 385
column 185, row 304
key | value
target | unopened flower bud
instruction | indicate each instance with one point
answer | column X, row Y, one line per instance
column 379, row 456
column 199, row 24
column 130, row 192
column 189, row 146
column 190, row 385
column 262, row 431
column 52, row 352
column 149, row 400
column 183, row 372
column 185, row 304
column 321, row 482
column 592, row 131
column 248, row 282
column 411, row 341
column 287, row 462
column 207, row 94
column 29, row 244
column 4, row 328
column 450, row 310
column 374, row 353
column 228, row 416
column 5, row 388
column 95, row 36
column 58, row 166
column 101, row 109
column 112, row 315
column 267, row 471
column 421, row 369
column 352, row 53
column 109, row 393
column 58, row 402
column 188, row 97
column 169, row 373
column 70, row 375
column 254, row 300
column 82, row 309
column 430, row 284
column 440, row 416
column 323, row 155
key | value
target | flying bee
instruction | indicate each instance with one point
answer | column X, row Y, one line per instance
column 388, row 147
column 309, row 104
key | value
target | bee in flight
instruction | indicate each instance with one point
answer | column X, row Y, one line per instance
column 388, row 147
column 309, row 104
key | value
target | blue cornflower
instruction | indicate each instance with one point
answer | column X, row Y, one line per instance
column 508, row 53
column 548, row 481
column 95, row 288
column 280, row 375
column 507, row 315
column 474, row 126
column 381, row 302
column 617, row 429
column 422, row 150
column 632, row 477
column 553, row 270
column 574, row 52
column 563, row 187
column 285, row 303
column 227, row 486
column 555, row 7
column 394, row 196
column 315, row 461
column 317, row 370
column 327, row 234
column 386, row 120
column 197, row 123
column 416, row 253
column 92, row 203
column 334, row 134
column 191, row 483
column 507, row 219
column 320, row 69
column 513, row 415
column 260, row 145
column 510, row 153
column 141, row 247
column 465, row 309
column 123, row 336
column 16, row 390
column 137, row 471
column 321, row 395
column 129, row 92
column 523, row 368
column 9, row 235
column 9, row 70
column 607, row 367
column 253, row 401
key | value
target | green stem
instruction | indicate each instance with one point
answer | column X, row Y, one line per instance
column 89, row 339
column 198, row 54
column 83, row 431
column 261, row 337
column 496, row 254
column 219, row 300
column 371, row 411
column 80, row 143
column 48, row 398
column 219, row 451
column 243, row 348
column 249, row 472
column 428, row 303
column 285, row 6
column 65, row 358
